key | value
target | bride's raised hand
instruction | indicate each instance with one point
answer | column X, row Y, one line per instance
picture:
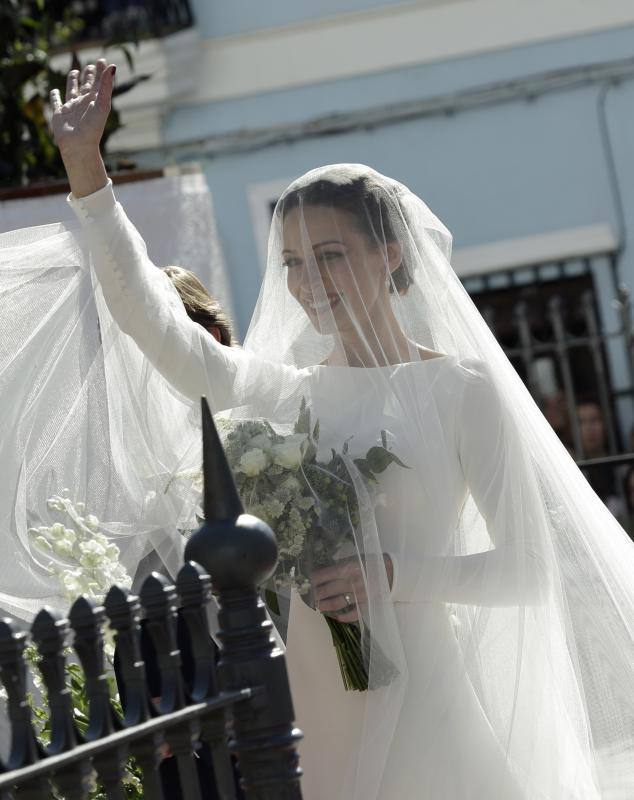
column 78, row 123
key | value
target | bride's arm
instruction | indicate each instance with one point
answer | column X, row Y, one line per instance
column 139, row 297
column 146, row 307
column 501, row 480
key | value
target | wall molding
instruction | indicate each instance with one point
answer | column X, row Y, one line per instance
column 390, row 38
column 590, row 240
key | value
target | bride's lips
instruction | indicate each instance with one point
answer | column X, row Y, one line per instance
column 318, row 308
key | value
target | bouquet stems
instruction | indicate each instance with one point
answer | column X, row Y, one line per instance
column 353, row 646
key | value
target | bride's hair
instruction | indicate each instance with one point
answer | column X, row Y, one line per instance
column 200, row 306
column 373, row 209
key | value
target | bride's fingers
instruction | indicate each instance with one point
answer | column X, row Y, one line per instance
column 72, row 85
column 99, row 68
column 105, row 86
column 342, row 596
column 331, row 589
column 55, row 99
column 335, row 605
column 345, row 570
column 348, row 616
column 87, row 78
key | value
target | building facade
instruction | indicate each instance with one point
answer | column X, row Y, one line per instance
column 513, row 119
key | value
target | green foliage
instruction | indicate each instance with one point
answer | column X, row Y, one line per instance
column 30, row 32
column 76, row 685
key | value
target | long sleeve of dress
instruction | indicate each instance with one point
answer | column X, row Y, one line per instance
column 500, row 478
column 145, row 306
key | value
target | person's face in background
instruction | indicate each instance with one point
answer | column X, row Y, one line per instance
column 591, row 429
column 215, row 332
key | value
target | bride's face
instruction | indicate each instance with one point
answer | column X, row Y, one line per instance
column 334, row 269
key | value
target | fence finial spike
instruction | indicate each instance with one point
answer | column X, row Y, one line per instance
column 221, row 501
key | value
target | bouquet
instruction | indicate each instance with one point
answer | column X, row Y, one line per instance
column 313, row 508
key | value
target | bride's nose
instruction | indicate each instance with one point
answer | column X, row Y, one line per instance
column 312, row 280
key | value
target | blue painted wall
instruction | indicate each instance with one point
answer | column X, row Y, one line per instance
column 245, row 16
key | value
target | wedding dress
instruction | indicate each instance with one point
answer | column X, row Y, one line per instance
column 509, row 617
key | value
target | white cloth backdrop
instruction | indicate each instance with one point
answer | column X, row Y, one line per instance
column 174, row 214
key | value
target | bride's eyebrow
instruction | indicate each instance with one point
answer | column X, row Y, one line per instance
column 318, row 244
column 329, row 241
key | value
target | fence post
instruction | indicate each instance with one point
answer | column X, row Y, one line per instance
column 124, row 612
column 158, row 598
column 25, row 749
column 87, row 620
column 49, row 632
column 193, row 585
column 240, row 553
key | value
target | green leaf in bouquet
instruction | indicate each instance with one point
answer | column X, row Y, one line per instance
column 379, row 459
column 316, row 432
column 303, row 420
column 310, row 452
column 272, row 601
column 364, row 467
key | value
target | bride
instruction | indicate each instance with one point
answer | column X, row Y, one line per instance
column 488, row 572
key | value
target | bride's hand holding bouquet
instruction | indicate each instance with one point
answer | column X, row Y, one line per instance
column 341, row 590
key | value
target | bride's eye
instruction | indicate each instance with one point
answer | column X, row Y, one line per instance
column 330, row 255
column 291, row 262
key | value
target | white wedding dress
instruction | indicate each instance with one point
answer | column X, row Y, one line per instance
column 443, row 747
column 445, row 739
column 440, row 719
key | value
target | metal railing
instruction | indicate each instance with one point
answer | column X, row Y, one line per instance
column 552, row 314
column 241, row 706
column 546, row 318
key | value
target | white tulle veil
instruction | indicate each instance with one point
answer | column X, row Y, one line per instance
column 81, row 424
column 534, row 572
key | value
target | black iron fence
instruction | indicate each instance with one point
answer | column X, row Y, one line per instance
column 240, row 707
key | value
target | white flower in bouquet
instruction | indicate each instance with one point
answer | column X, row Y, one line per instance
column 290, row 452
column 291, row 484
column 253, row 462
column 262, row 441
